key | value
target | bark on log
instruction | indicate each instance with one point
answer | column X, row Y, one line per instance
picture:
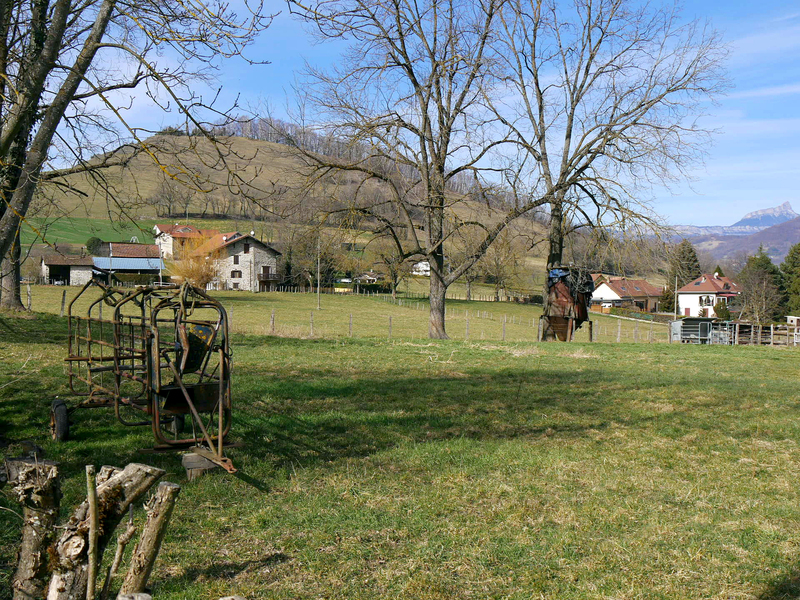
column 113, row 499
column 144, row 556
column 37, row 488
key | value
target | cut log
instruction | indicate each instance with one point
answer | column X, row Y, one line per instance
column 144, row 556
column 36, row 486
column 114, row 496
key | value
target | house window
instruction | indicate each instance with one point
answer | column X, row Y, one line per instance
column 236, row 285
column 247, row 248
column 236, row 259
column 236, row 275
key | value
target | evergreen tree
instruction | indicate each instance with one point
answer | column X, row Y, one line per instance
column 718, row 271
column 683, row 265
column 791, row 276
column 762, row 288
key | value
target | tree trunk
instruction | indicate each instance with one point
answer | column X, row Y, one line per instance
column 36, row 486
column 71, row 551
column 438, row 290
column 146, row 551
column 555, row 255
column 10, row 294
column 469, row 290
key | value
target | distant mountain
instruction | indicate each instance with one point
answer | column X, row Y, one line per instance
column 768, row 217
column 776, row 241
column 749, row 224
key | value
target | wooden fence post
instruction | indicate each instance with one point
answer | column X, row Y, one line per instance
column 390, row 327
column 619, row 331
column 772, row 335
column 312, row 324
column 63, row 301
column 28, row 289
column 466, row 334
column 591, row 331
column 350, row 332
column 539, row 330
column 504, row 328
column 650, row 334
column 272, row 322
column 636, row 331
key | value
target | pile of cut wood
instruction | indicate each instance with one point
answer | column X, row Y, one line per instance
column 66, row 567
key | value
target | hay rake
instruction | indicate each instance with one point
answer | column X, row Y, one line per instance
column 160, row 351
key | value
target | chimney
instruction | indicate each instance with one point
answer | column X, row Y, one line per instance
column 716, row 274
column 224, row 238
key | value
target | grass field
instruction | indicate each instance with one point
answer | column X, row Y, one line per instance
column 252, row 313
column 426, row 469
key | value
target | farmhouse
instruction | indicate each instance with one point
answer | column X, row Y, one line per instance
column 172, row 239
column 242, row 262
column 58, row 269
column 698, row 297
column 622, row 292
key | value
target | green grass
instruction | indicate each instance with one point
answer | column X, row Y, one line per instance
column 251, row 314
column 74, row 230
column 440, row 469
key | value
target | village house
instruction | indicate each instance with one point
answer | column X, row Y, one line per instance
column 113, row 257
column 625, row 293
column 698, row 297
column 242, row 262
column 58, row 269
column 173, row 239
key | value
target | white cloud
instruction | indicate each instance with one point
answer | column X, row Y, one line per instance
column 766, row 92
column 776, row 43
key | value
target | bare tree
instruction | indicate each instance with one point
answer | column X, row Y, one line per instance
column 64, row 66
column 391, row 260
column 409, row 104
column 604, row 104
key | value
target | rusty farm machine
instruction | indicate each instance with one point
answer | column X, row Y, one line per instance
column 159, row 357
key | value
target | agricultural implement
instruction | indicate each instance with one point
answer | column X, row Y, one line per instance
column 158, row 356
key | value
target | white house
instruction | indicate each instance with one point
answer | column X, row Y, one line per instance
column 698, row 297
column 171, row 239
column 422, row 267
column 622, row 292
column 242, row 262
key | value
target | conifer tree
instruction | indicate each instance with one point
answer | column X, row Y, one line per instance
column 683, row 265
column 791, row 274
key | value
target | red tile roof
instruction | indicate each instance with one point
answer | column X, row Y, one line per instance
column 127, row 250
column 709, row 282
column 217, row 242
column 633, row 288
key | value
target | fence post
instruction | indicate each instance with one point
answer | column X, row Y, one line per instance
column 619, row 331
column 539, row 330
column 504, row 328
column 650, row 334
column 636, row 331
column 63, row 301
column 466, row 334
column 272, row 322
column 591, row 331
column 312, row 324
column 351, row 325
column 390, row 327
column 28, row 289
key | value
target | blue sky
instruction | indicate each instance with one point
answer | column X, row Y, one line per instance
column 754, row 162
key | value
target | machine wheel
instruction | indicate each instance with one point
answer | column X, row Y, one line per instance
column 59, row 421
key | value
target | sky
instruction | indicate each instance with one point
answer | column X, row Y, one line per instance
column 754, row 162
